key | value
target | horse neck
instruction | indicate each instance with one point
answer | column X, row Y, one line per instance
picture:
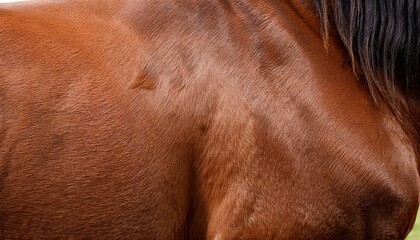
column 275, row 11
column 230, row 143
column 414, row 104
column 389, row 67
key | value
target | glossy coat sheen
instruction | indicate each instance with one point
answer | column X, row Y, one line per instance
column 192, row 119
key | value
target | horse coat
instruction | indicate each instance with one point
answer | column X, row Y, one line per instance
column 194, row 119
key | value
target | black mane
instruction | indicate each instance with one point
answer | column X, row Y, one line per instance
column 382, row 40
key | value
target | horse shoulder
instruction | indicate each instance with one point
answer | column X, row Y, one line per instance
column 72, row 110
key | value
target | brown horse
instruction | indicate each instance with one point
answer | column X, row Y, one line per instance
column 209, row 119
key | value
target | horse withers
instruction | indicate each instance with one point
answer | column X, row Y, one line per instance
column 209, row 119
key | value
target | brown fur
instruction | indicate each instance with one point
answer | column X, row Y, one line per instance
column 192, row 119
